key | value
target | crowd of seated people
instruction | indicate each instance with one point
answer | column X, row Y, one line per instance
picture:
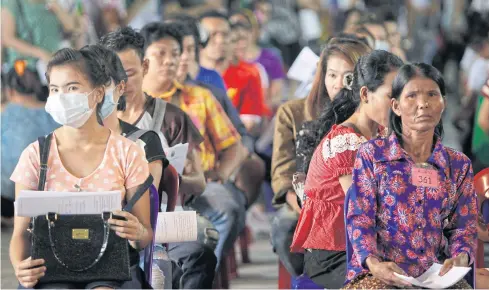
column 382, row 194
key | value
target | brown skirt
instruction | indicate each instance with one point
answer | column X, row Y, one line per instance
column 367, row 281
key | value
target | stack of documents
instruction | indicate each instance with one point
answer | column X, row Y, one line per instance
column 35, row 203
column 431, row 278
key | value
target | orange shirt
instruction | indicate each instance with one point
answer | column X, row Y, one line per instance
column 245, row 90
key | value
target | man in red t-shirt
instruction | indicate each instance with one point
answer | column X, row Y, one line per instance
column 241, row 78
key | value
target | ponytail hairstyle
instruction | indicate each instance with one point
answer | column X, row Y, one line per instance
column 349, row 48
column 405, row 74
column 88, row 63
column 369, row 72
column 25, row 81
column 114, row 67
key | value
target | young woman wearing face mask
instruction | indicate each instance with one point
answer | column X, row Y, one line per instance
column 351, row 119
column 114, row 101
column 84, row 156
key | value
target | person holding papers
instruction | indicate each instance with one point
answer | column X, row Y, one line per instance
column 84, row 156
column 196, row 260
column 223, row 202
column 412, row 202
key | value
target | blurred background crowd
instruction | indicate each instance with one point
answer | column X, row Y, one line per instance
column 452, row 35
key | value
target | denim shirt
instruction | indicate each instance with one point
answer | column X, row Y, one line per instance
column 392, row 219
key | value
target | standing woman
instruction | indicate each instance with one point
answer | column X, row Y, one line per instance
column 428, row 212
column 353, row 117
column 337, row 60
column 83, row 155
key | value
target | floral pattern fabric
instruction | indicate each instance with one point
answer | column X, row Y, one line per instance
column 414, row 226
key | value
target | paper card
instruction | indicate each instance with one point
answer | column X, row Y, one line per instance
column 425, row 177
column 431, row 278
column 34, row 203
column 177, row 155
column 304, row 66
column 175, row 227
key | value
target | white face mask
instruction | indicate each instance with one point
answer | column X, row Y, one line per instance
column 69, row 109
column 108, row 106
column 382, row 45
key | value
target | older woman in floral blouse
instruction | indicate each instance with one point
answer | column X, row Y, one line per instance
column 412, row 201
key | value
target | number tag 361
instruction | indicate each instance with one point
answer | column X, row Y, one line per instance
column 425, row 177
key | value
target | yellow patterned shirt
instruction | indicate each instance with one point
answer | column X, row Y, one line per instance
column 209, row 118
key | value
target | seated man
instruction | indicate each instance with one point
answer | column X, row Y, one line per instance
column 222, row 154
column 191, row 72
column 195, row 259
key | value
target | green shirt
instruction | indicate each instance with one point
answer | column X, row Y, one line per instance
column 480, row 140
column 44, row 26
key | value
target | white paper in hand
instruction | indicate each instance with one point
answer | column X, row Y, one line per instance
column 431, row 278
column 34, row 203
column 175, row 227
column 304, row 66
column 177, row 155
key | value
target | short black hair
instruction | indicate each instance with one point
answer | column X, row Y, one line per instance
column 155, row 31
column 214, row 14
column 122, row 39
column 190, row 27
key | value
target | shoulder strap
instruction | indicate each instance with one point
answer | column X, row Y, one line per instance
column 159, row 114
column 136, row 134
column 158, row 118
column 351, row 125
column 140, row 191
column 44, row 146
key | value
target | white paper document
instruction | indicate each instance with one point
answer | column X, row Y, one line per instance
column 175, row 227
column 34, row 203
column 431, row 278
column 177, row 155
column 304, row 66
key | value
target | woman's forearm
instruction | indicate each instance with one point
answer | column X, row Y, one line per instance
column 25, row 48
column 19, row 247
column 145, row 240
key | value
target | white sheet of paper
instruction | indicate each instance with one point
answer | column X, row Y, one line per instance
column 431, row 279
column 177, row 155
column 34, row 203
column 304, row 66
column 175, row 227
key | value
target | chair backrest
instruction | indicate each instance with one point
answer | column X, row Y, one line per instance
column 148, row 251
column 170, row 184
column 481, row 186
column 349, row 248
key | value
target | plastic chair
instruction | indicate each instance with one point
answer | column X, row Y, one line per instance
column 284, row 277
column 170, row 183
column 481, row 186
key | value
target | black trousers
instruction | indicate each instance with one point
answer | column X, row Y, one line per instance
column 194, row 265
column 326, row 268
column 7, row 207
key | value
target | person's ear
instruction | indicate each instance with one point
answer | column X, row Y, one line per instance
column 395, row 107
column 145, row 67
column 364, row 94
column 99, row 94
column 121, row 87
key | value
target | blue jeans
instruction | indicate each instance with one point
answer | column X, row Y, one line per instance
column 224, row 205
column 283, row 228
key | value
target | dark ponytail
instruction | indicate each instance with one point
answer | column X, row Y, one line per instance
column 25, row 81
column 370, row 71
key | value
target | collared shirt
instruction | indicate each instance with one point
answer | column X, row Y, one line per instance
column 209, row 118
column 390, row 218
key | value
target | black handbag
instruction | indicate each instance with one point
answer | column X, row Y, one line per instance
column 79, row 248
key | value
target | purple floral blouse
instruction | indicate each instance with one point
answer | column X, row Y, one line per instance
column 390, row 218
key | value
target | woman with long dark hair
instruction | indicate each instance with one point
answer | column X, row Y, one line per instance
column 337, row 59
column 412, row 201
column 354, row 116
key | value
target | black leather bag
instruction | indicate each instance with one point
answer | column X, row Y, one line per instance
column 79, row 248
